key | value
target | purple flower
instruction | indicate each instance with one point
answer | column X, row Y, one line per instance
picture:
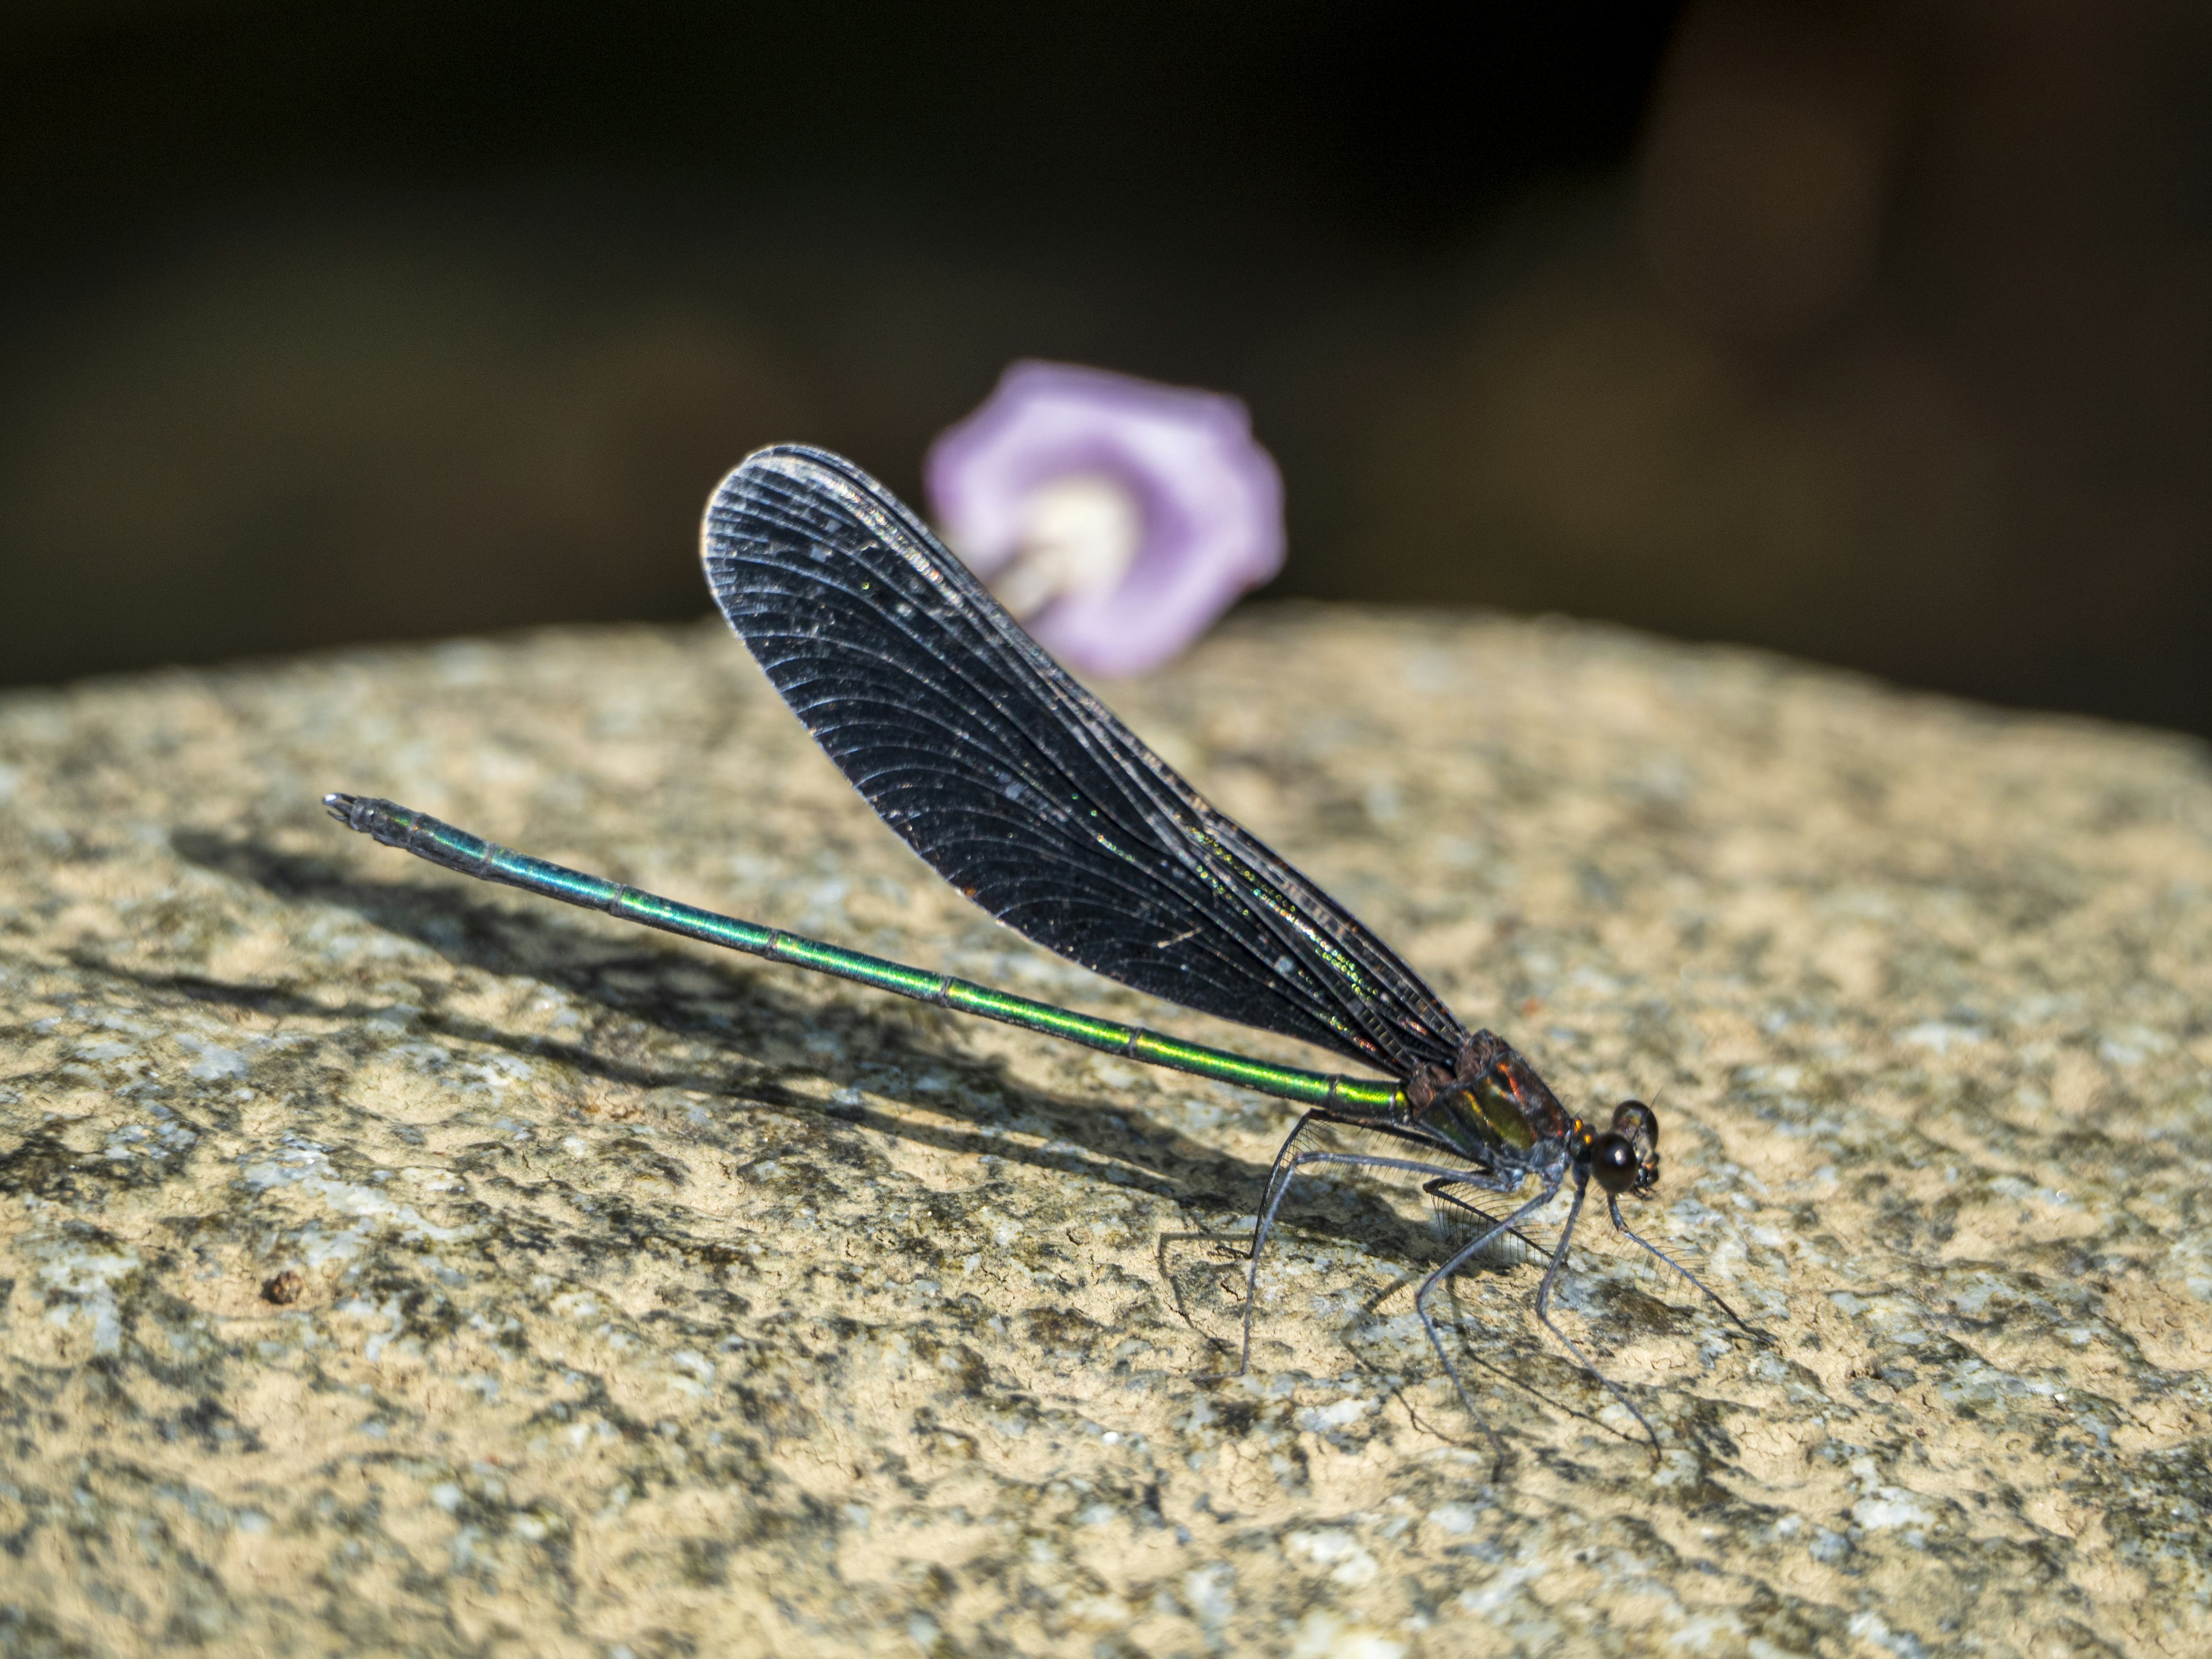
column 1117, row 517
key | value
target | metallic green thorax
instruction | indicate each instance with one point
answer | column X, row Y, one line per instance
column 456, row 849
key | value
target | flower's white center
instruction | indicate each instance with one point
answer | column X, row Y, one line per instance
column 1079, row 536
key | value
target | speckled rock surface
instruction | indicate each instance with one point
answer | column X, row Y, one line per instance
column 392, row 1264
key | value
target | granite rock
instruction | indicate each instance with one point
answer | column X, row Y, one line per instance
column 395, row 1264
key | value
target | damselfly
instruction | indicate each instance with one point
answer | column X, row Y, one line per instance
column 1022, row 790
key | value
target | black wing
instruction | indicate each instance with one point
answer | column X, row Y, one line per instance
column 1019, row 786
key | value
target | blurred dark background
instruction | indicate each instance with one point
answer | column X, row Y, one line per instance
column 1875, row 332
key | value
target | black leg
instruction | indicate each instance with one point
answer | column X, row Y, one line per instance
column 1278, row 1185
column 1544, row 1314
column 1451, row 1266
column 1711, row 1294
column 1501, row 1250
column 1277, row 1173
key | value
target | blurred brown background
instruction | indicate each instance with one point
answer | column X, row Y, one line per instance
column 1873, row 332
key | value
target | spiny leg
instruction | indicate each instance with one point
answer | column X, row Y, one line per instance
column 1711, row 1295
column 1279, row 1188
column 1544, row 1314
column 1319, row 1117
column 1286, row 1166
column 1438, row 1196
column 1452, row 1265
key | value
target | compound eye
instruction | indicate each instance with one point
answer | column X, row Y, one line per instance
column 1633, row 1118
column 1613, row 1161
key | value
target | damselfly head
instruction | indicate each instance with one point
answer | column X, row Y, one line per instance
column 1626, row 1158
